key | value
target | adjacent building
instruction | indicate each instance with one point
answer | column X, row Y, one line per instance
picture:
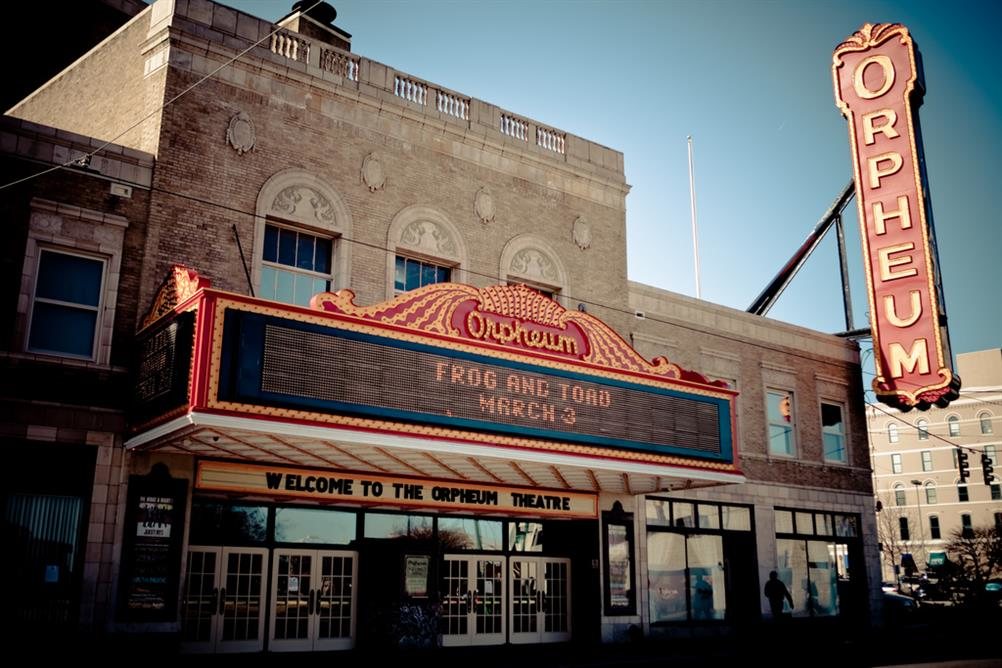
column 314, row 354
column 916, row 468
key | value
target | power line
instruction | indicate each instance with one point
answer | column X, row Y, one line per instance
column 84, row 160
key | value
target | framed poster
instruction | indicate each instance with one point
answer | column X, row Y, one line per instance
column 151, row 552
column 416, row 575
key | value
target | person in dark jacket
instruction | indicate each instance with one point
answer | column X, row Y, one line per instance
column 776, row 591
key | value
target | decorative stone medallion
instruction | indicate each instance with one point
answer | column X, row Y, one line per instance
column 581, row 233
column 240, row 133
column 483, row 205
column 372, row 173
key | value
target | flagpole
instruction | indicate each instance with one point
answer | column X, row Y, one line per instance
column 692, row 207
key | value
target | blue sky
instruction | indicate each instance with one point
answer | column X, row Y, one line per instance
column 751, row 82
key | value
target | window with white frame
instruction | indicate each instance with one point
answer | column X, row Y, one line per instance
column 926, row 460
column 985, row 421
column 923, row 429
column 67, row 304
column 295, row 265
column 297, row 238
column 896, row 463
column 953, row 425
column 411, row 273
column 899, row 495
column 67, row 300
column 892, row 433
column 930, row 493
column 425, row 248
column 833, row 432
column 779, row 408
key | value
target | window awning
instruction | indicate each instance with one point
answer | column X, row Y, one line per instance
column 937, row 558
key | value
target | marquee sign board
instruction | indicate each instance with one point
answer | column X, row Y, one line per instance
column 280, row 364
column 878, row 86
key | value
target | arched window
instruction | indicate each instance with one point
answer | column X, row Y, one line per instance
column 297, row 238
column 985, row 419
column 425, row 248
column 953, row 424
column 899, row 494
column 892, row 433
column 923, row 429
column 530, row 260
column 930, row 493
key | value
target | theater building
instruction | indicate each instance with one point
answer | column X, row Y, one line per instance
column 324, row 356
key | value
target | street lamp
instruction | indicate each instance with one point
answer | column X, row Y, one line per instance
column 921, row 526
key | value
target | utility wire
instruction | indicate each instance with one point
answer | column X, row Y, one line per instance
column 84, row 160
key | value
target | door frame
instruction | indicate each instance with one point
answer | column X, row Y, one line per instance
column 540, row 635
column 471, row 637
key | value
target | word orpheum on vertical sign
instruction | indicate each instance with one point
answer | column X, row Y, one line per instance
column 151, row 554
column 879, row 86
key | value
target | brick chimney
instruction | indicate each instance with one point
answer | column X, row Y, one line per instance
column 316, row 23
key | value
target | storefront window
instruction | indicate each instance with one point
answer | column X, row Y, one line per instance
column 525, row 536
column 307, row 525
column 736, row 518
column 219, row 523
column 620, row 595
column 379, row 525
column 666, row 570
column 469, row 534
column 817, row 572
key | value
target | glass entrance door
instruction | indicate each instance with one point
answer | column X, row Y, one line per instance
column 473, row 600
column 540, row 599
column 222, row 608
column 313, row 600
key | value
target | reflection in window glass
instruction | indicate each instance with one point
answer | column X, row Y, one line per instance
column 378, row 525
column 736, row 518
column 525, row 536
column 780, row 413
column 666, row 571
column 833, row 432
column 823, row 522
column 805, row 523
column 847, row 526
column 658, row 513
column 784, row 521
column 245, row 524
column 822, row 593
column 706, row 576
column 709, row 517
column 791, row 565
column 469, row 534
column 682, row 514
column 309, row 525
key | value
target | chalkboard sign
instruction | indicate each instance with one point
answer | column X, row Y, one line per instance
column 151, row 557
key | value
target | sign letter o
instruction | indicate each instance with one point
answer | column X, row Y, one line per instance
column 857, row 77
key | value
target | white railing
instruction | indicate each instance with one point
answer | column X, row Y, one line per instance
column 339, row 64
column 453, row 105
column 514, row 127
column 551, row 140
column 410, row 90
column 290, row 46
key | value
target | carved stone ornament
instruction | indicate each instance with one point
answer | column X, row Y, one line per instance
column 290, row 202
column 372, row 173
column 430, row 237
column 581, row 233
column 240, row 133
column 483, row 206
column 533, row 263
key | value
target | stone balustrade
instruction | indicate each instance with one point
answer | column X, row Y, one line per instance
column 368, row 77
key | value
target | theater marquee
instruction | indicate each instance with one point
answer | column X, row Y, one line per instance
column 878, row 87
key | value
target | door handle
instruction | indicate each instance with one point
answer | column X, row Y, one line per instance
column 215, row 599
column 222, row 600
column 469, row 598
column 540, row 599
column 311, row 597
